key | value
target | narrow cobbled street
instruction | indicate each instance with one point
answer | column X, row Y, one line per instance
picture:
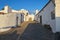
column 36, row 31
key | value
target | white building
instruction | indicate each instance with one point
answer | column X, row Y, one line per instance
column 36, row 18
column 27, row 16
column 30, row 17
column 7, row 9
column 48, row 16
column 25, row 12
column 10, row 18
column 13, row 18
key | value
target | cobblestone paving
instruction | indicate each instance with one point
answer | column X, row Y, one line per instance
column 12, row 36
column 35, row 31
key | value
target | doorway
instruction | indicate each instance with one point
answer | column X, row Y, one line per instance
column 16, row 21
column 41, row 19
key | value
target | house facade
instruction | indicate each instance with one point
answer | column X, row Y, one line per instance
column 36, row 16
column 47, row 15
column 10, row 18
column 27, row 16
column 13, row 18
column 50, row 15
column 30, row 17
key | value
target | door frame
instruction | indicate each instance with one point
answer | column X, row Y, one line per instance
column 40, row 19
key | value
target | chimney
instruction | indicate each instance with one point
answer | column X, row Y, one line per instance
column 7, row 9
column 37, row 11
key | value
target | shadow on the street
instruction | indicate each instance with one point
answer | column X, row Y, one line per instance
column 9, row 36
column 35, row 31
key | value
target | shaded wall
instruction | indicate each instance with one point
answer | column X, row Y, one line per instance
column 46, row 16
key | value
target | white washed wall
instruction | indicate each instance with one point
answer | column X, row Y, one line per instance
column 46, row 16
column 36, row 18
column 11, row 19
column 3, row 21
column 29, row 16
column 20, row 18
column 7, row 9
column 7, row 20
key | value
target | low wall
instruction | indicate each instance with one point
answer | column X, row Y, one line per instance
column 7, row 20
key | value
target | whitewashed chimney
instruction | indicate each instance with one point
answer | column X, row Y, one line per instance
column 7, row 9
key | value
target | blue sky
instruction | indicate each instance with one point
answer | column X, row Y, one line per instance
column 30, row 5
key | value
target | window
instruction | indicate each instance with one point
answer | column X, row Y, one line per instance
column 53, row 15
